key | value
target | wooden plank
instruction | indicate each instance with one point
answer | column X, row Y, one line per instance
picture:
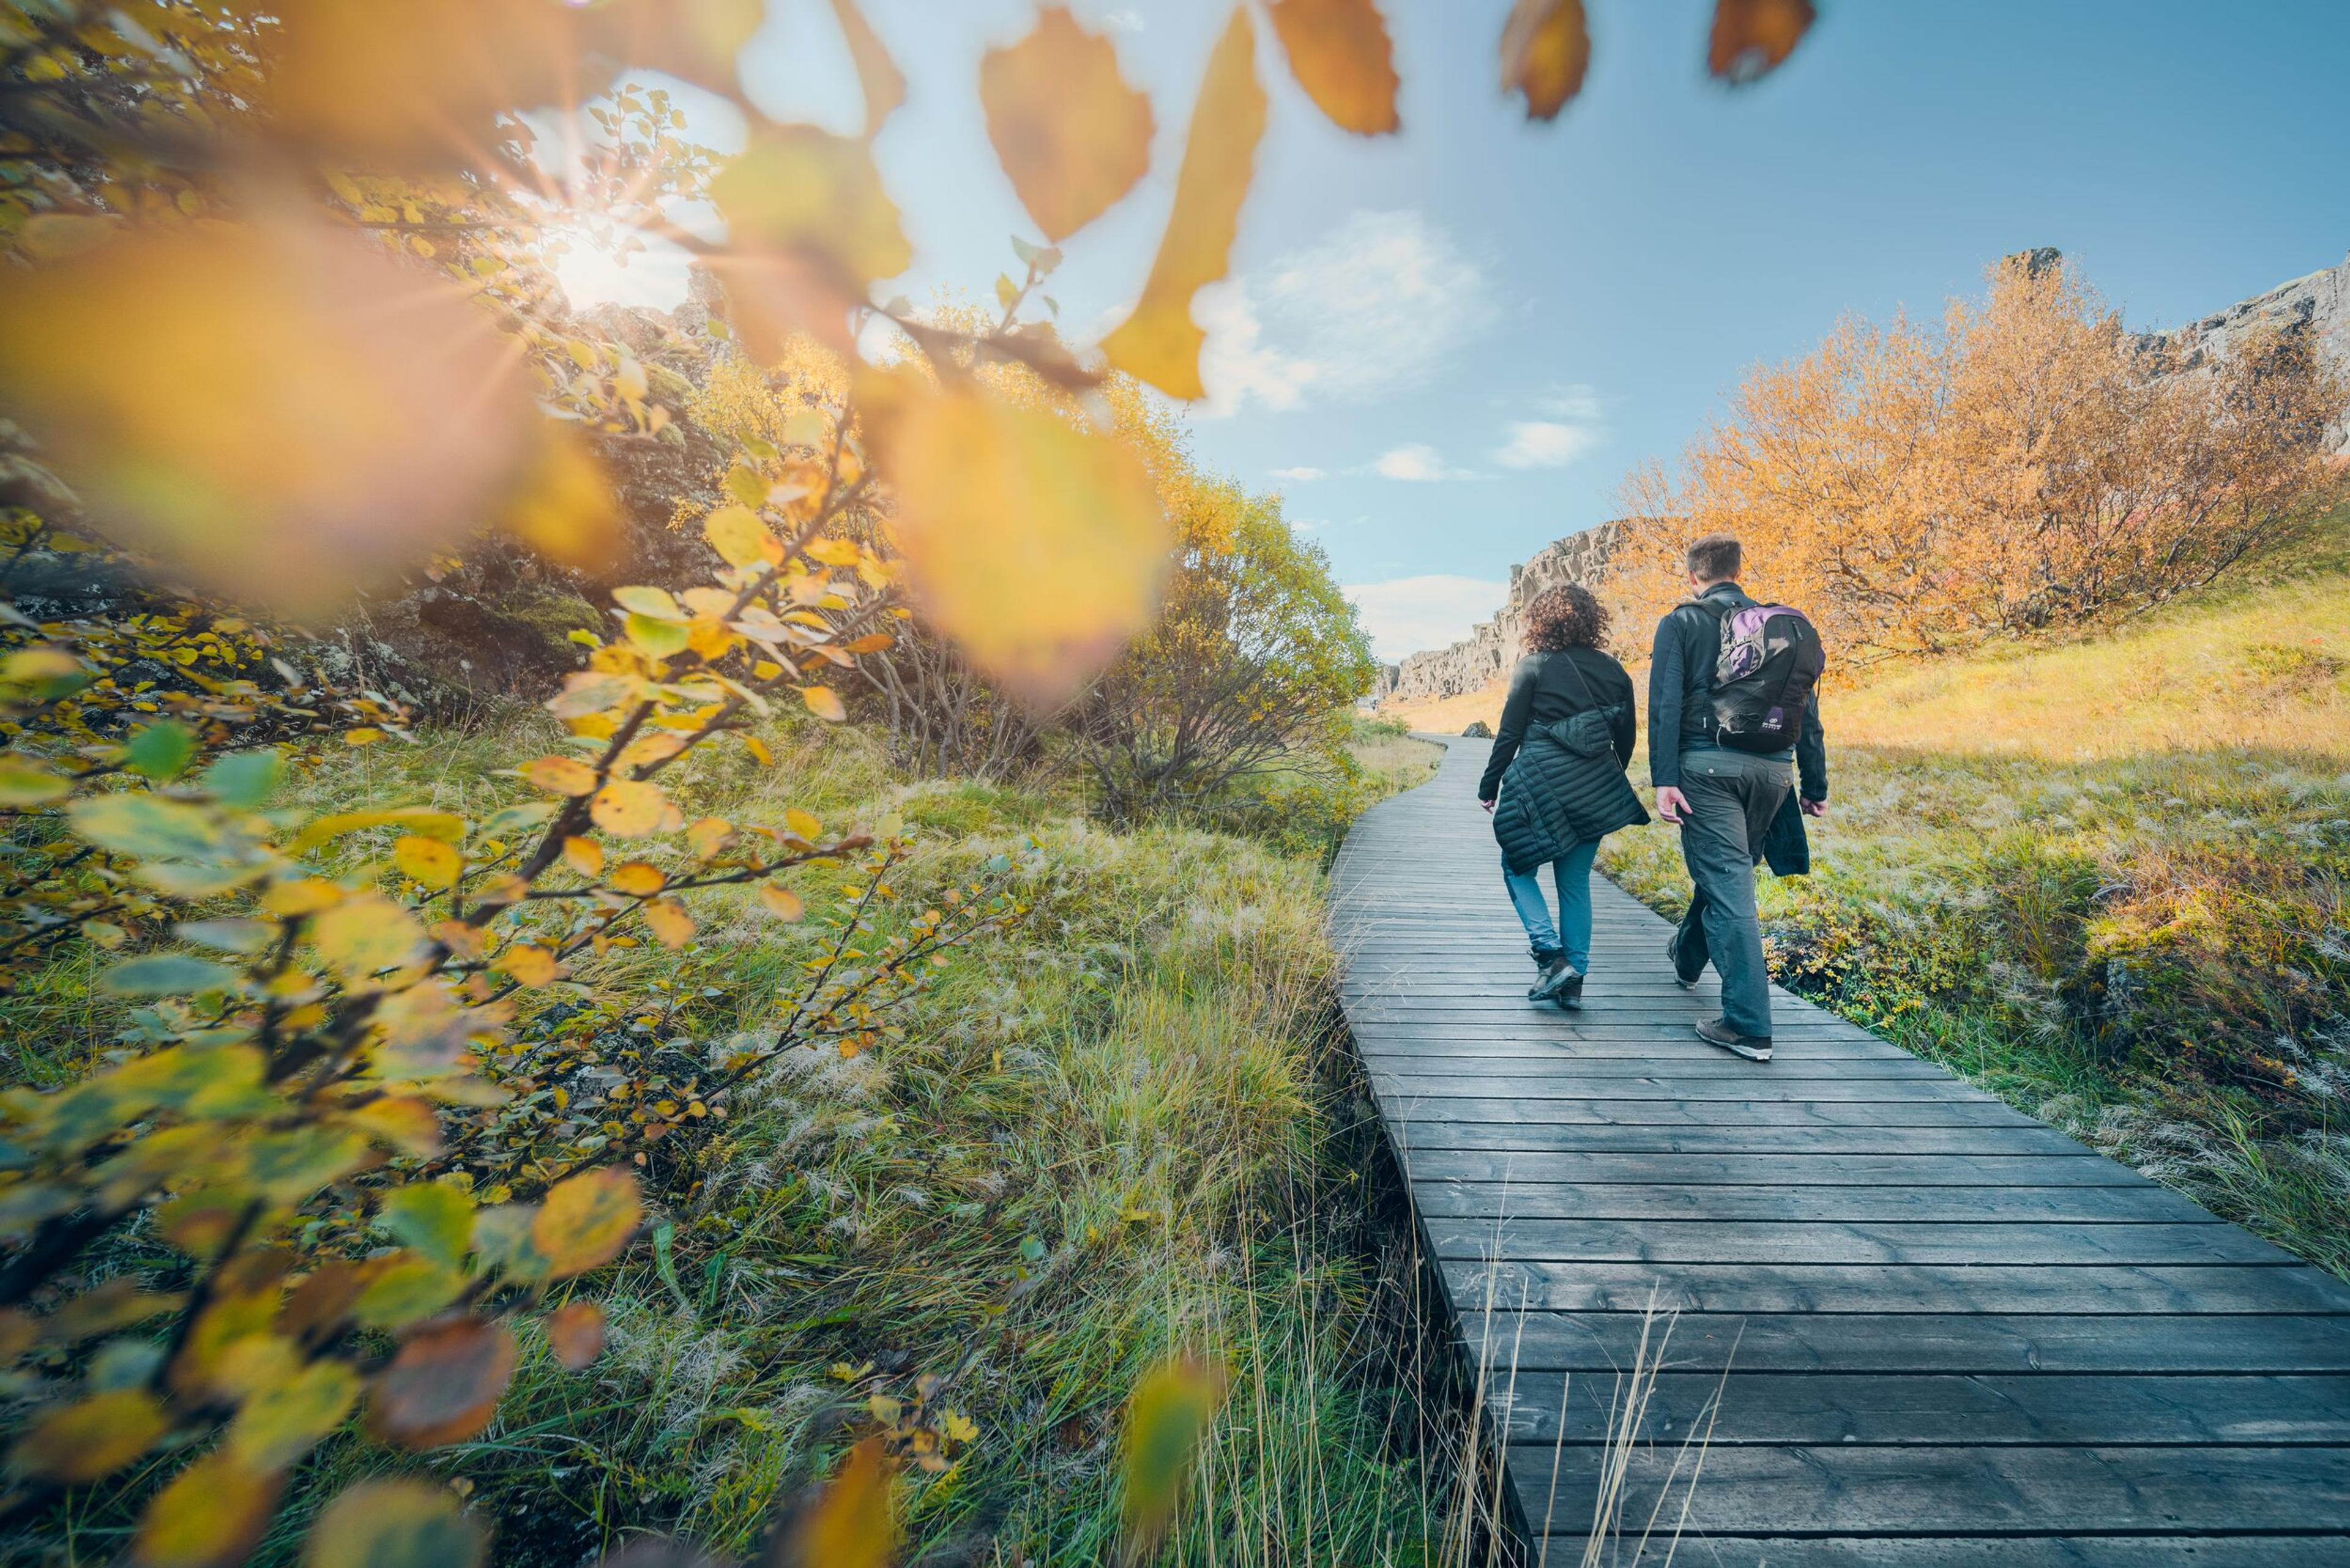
column 2253, row 1551
column 1916, row 1490
column 1584, row 1200
column 1724, row 1241
column 1989, row 1171
column 1749, row 1408
column 1604, row 1342
column 1891, row 1287
column 1711, row 1114
column 1424, row 1132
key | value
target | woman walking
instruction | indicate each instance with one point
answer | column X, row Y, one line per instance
column 1557, row 771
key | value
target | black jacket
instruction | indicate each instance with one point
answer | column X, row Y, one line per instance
column 1681, row 677
column 1542, row 691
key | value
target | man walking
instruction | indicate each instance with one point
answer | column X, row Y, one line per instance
column 1732, row 703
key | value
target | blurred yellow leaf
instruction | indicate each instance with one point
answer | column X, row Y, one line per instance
column 283, row 414
column 444, row 1384
column 584, row 856
column 805, row 824
column 740, row 538
column 709, row 837
column 849, row 1524
column 365, row 935
column 286, row 1419
column 1038, row 547
column 1069, row 132
column 394, row 1525
column 529, row 965
column 671, row 926
column 575, row 1331
column 1753, row 38
column 428, row 861
column 811, row 229
column 1545, row 49
column 1158, row 342
column 629, row 808
column 876, row 73
column 1165, row 1419
column 366, row 735
column 695, row 40
column 586, row 1221
column 93, row 1437
column 823, row 703
column 637, row 878
column 1340, row 53
column 209, row 1517
column 781, row 902
column 567, row 510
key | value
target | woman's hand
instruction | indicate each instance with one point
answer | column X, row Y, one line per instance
column 1488, row 805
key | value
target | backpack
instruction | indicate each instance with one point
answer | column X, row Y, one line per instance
column 1769, row 664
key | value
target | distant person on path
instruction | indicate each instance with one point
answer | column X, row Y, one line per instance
column 1557, row 771
column 1733, row 700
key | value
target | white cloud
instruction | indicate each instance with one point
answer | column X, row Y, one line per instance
column 1543, row 443
column 1580, row 402
column 1374, row 309
column 1300, row 474
column 1418, row 463
column 1125, row 21
column 1406, row 615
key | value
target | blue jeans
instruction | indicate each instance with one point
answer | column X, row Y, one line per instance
column 1572, row 935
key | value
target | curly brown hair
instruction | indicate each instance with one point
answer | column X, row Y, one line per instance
column 1567, row 616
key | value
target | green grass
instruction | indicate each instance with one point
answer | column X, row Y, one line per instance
column 2109, row 881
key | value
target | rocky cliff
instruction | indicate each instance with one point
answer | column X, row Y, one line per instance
column 2317, row 305
column 1489, row 651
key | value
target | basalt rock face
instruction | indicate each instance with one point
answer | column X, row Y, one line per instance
column 1492, row 649
column 2317, row 306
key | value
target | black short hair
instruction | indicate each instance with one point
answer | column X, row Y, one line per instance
column 1716, row 557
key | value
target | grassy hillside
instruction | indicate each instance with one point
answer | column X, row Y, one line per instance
column 2111, row 882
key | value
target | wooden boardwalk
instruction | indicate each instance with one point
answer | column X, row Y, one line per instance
column 1942, row 1335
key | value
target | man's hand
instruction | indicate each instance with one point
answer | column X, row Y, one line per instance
column 1488, row 805
column 1671, row 804
column 1815, row 808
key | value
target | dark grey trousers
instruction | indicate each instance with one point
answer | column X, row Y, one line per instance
column 1732, row 797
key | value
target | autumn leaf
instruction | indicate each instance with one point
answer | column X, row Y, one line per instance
column 740, row 538
column 575, row 1331
column 565, row 510
column 876, row 73
column 1752, row 38
column 269, row 406
column 823, row 703
column 813, row 228
column 92, row 1437
column 443, row 1386
column 637, row 878
column 530, row 965
column 628, row 808
column 286, row 1419
column 584, row 856
column 428, row 861
column 586, row 1221
column 1340, row 53
column 1165, row 1419
column 363, row 935
column 1070, row 133
column 671, row 926
column 781, row 903
column 394, row 1525
column 1037, row 546
column 1158, row 342
column 849, row 1524
column 1545, row 50
column 208, row 1517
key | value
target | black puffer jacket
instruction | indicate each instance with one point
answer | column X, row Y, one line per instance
column 1551, row 798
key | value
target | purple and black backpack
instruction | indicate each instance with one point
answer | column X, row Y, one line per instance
column 1770, row 663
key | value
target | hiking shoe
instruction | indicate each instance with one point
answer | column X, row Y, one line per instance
column 1674, row 957
column 1548, row 972
column 1753, row 1047
column 1567, row 991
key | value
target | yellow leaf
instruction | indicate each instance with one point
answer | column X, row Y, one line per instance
column 586, row 1221
column 1340, row 53
column 850, row 1525
column 758, row 748
column 287, row 1418
column 813, row 228
column 565, row 510
column 268, row 405
column 394, row 1525
column 1753, row 38
column 365, row 935
column 671, row 926
column 584, row 856
column 803, row 823
column 365, row 736
column 1165, row 1420
column 93, row 1439
column 876, row 73
column 1069, row 132
column 657, row 603
column 1038, row 547
column 209, row 1517
column 823, row 703
column 637, row 878
column 781, row 902
column 428, row 861
column 872, row 642
column 629, row 808
column 740, row 538
column 560, row 775
column 1545, row 49
column 710, row 836
column 530, row 965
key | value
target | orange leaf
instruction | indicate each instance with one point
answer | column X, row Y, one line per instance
column 823, row 703
column 1069, row 132
column 781, row 902
column 530, row 965
column 575, row 1331
column 1545, row 49
column 849, row 1525
column 1752, row 38
column 1158, row 343
column 812, row 227
column 584, row 856
column 586, row 1221
column 671, row 926
column 637, row 878
column 710, row 836
column 629, row 808
column 876, row 73
column 444, row 1384
column 560, row 775
column 1340, row 53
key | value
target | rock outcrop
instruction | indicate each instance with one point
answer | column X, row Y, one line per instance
column 1491, row 650
column 2317, row 305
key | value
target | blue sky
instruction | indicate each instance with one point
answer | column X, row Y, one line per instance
column 1446, row 348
